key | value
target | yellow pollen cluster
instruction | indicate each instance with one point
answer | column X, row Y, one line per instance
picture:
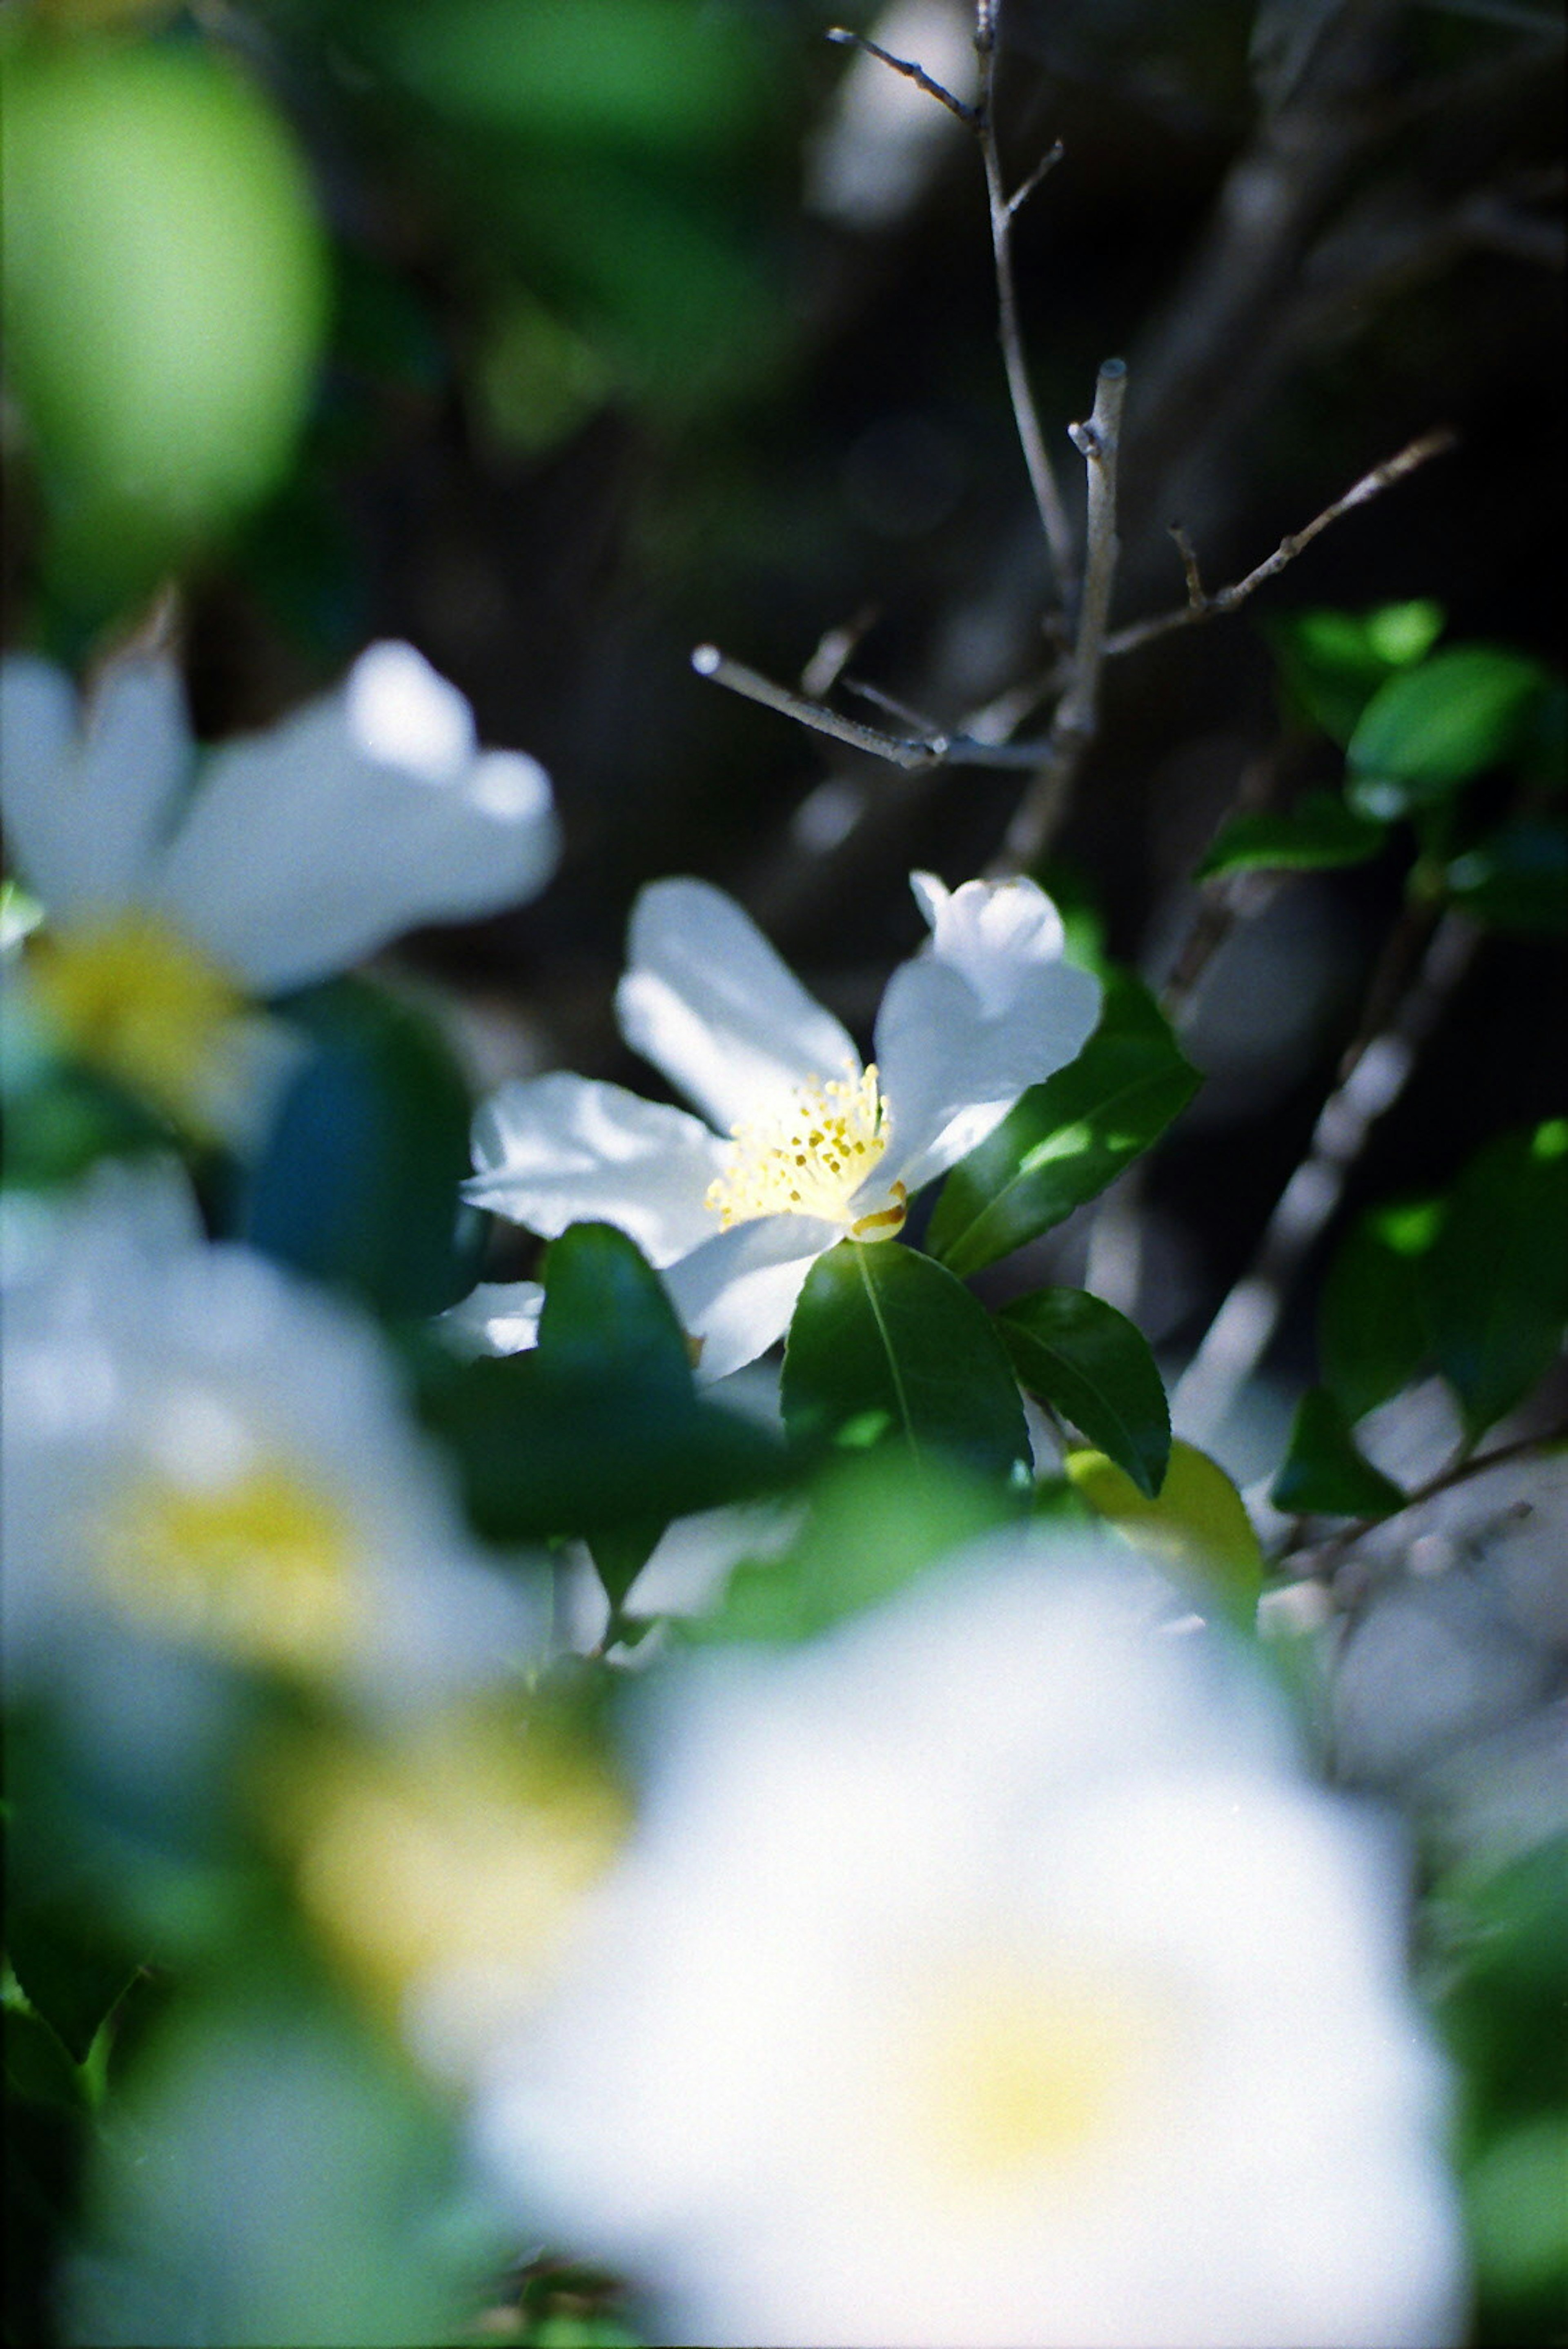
column 260, row 1569
column 133, row 998
column 812, row 1160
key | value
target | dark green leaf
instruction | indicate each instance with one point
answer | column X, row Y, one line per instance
column 358, row 1182
column 1518, row 879
column 598, row 1431
column 1372, row 1333
column 1495, row 1285
column 1330, row 663
column 1091, row 1363
column 38, row 2067
column 1431, row 729
column 885, row 1346
column 1318, row 833
column 1068, row 1138
column 1324, row 1474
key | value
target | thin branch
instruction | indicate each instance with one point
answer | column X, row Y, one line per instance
column 1202, row 606
column 1372, row 1076
column 1324, row 1556
column 1040, row 811
column 847, row 39
column 1002, row 207
column 915, row 753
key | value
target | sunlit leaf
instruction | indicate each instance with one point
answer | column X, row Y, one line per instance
column 1067, row 1138
column 1433, row 728
column 1198, row 1523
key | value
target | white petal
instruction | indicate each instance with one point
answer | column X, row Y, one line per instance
column 986, row 1010
column 559, row 1150
column 499, row 1316
column 362, row 816
column 709, row 1003
column 85, row 806
column 737, row 1292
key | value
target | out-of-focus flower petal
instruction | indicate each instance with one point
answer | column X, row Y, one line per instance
column 498, row 1317
column 558, row 1150
column 709, row 1003
column 362, row 816
column 87, row 801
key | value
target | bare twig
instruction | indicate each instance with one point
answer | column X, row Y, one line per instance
column 1372, row 1077
column 1039, row 812
column 1202, row 606
column 1003, row 209
column 916, row 753
column 845, row 40
column 1323, row 1557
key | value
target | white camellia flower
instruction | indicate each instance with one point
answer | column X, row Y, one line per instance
column 810, row 1147
column 989, row 1972
column 169, row 910
column 204, row 1453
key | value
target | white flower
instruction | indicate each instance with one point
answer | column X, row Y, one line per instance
column 988, row 1974
column 204, row 1454
column 819, row 1148
column 301, row 851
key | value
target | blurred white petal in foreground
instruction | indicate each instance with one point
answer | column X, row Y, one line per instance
column 988, row 1972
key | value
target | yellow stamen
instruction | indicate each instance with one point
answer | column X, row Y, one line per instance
column 260, row 1569
column 811, row 1159
column 132, row 998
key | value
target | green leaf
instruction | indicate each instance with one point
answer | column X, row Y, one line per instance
column 1320, row 831
column 1198, row 1523
column 1372, row 1333
column 1495, row 1284
column 1323, row 1475
column 1517, row 879
column 870, row 1528
column 598, row 1431
column 39, row 2068
column 1094, row 1367
column 1330, row 663
column 1431, row 729
column 358, row 1182
column 887, row 1346
column 1066, row 1139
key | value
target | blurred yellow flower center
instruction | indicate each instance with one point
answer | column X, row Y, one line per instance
column 448, row 1875
column 811, row 1159
column 259, row 1567
column 134, row 999
column 1023, row 2071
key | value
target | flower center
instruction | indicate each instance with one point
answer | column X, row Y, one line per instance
column 137, row 1000
column 811, row 1159
column 258, row 1567
column 1023, row 2070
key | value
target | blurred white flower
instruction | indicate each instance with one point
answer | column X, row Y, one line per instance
column 300, row 851
column 819, row 1148
column 987, row 1973
column 202, row 1453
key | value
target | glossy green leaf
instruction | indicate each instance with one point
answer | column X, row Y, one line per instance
column 1330, row 663
column 1433, row 728
column 1323, row 1475
column 1066, row 1139
column 887, row 1347
column 598, row 1430
column 1093, row 1365
column 1318, row 834
column 1372, row 1331
column 1495, row 1284
column 1197, row 1523
column 358, row 1182
column 1517, row 879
